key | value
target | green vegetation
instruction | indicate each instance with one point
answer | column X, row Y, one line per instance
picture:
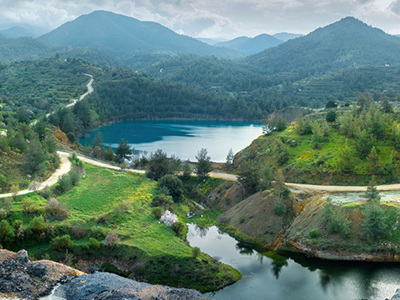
column 308, row 151
column 110, row 209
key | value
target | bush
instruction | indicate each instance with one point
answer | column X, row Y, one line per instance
column 61, row 242
column 279, row 207
column 65, row 183
column 78, row 232
column 38, row 225
column 29, row 207
column 98, row 232
column 179, row 227
column 173, row 184
column 195, row 252
column 93, row 243
column 56, row 210
column 163, row 201
column 112, row 239
column 157, row 212
column 6, row 232
column 313, row 234
column 46, row 193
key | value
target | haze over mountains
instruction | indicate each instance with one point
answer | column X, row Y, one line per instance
column 108, row 38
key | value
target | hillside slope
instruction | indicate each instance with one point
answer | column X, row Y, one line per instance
column 346, row 43
column 121, row 35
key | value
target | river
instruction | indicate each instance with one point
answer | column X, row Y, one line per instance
column 275, row 277
column 180, row 138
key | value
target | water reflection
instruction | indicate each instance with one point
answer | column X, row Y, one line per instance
column 277, row 277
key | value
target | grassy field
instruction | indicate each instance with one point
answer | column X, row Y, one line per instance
column 106, row 200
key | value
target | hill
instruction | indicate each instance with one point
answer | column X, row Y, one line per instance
column 16, row 32
column 250, row 46
column 125, row 36
column 344, row 44
column 285, row 36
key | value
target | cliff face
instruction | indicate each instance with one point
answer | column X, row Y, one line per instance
column 23, row 279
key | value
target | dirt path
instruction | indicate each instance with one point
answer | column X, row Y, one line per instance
column 65, row 167
column 339, row 188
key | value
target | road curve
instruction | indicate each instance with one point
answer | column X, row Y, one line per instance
column 64, row 168
column 341, row 188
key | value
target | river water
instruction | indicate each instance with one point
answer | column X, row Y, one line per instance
column 274, row 277
column 180, row 138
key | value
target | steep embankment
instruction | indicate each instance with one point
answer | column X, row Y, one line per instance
column 314, row 226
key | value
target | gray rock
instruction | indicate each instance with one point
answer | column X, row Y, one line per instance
column 107, row 286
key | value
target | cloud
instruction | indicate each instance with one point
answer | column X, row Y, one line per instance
column 395, row 7
column 210, row 18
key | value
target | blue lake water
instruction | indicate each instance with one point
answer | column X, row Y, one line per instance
column 285, row 278
column 180, row 138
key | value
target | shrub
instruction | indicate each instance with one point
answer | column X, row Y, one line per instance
column 65, row 184
column 313, row 234
column 6, row 232
column 179, row 227
column 112, row 239
column 279, row 207
column 98, row 232
column 61, row 242
column 173, row 184
column 74, row 177
column 157, row 212
column 56, row 210
column 94, row 243
column 122, row 208
column 78, row 232
column 195, row 252
column 163, row 201
column 29, row 207
column 46, row 193
column 38, row 225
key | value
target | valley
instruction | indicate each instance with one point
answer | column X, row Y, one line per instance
column 236, row 169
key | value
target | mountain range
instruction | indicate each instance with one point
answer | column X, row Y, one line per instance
column 125, row 36
column 250, row 46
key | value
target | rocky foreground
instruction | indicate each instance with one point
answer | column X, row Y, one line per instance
column 21, row 278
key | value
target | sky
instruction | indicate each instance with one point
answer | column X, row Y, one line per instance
column 211, row 18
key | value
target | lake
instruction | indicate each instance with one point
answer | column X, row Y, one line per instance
column 276, row 277
column 180, row 138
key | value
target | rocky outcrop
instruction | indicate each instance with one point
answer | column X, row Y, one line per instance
column 107, row 286
column 21, row 278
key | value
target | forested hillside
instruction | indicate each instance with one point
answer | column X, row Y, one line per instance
column 123, row 36
column 346, row 43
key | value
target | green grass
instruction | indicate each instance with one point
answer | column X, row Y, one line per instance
column 95, row 202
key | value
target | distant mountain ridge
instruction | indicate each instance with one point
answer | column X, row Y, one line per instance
column 346, row 43
column 124, row 36
column 285, row 36
column 250, row 46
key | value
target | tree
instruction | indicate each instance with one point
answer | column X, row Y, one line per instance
column 331, row 116
column 229, row 160
column 112, row 239
column 334, row 219
column 173, row 184
column 249, row 177
column 123, row 152
column 158, row 165
column 331, row 104
column 36, row 158
column 317, row 136
column 364, row 143
column 6, row 232
column 373, row 162
column 203, row 165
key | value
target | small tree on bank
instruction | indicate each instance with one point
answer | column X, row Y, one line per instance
column 203, row 165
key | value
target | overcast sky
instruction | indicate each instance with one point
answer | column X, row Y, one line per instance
column 211, row 18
